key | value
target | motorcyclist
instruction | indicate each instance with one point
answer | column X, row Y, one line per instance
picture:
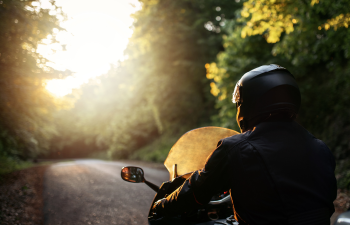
column 276, row 171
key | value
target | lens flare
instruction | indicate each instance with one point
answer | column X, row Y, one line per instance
column 94, row 39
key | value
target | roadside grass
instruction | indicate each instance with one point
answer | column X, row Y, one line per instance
column 101, row 155
column 9, row 165
column 157, row 151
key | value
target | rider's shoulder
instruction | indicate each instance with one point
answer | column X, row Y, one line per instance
column 236, row 139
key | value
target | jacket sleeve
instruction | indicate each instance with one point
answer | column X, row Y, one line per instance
column 198, row 189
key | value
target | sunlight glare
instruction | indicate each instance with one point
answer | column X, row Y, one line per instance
column 62, row 87
column 94, row 39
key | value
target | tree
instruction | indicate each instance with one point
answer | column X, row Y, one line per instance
column 272, row 17
column 160, row 90
column 171, row 43
column 25, row 103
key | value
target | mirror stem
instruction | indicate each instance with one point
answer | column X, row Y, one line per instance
column 151, row 185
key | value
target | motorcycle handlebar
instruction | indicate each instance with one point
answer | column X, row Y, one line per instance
column 151, row 185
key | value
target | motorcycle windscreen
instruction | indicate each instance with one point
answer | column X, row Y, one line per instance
column 191, row 151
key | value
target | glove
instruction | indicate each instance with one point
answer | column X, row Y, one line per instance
column 158, row 208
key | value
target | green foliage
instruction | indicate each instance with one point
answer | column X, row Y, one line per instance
column 141, row 106
column 25, row 128
column 344, row 178
column 159, row 91
column 108, row 116
column 156, row 151
column 9, row 164
column 171, row 43
column 169, row 47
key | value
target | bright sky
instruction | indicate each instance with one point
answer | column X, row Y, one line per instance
column 97, row 35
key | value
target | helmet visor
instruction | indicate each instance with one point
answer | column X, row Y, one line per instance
column 236, row 96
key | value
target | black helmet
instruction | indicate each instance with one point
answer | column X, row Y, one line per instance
column 263, row 92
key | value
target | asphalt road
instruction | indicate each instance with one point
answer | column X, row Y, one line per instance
column 92, row 192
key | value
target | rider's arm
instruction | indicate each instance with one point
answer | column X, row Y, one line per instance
column 198, row 189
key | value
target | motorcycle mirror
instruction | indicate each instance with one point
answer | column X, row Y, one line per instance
column 133, row 174
column 136, row 175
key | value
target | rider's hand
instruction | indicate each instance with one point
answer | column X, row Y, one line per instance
column 158, row 208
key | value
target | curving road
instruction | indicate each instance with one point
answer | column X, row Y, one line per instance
column 92, row 192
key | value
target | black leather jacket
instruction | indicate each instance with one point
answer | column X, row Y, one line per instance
column 277, row 174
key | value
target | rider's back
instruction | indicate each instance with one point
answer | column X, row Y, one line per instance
column 281, row 174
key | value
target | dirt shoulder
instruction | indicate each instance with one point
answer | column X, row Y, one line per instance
column 21, row 198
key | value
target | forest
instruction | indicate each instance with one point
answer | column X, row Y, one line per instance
column 180, row 69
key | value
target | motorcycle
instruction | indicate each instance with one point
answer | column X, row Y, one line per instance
column 187, row 155
column 343, row 219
